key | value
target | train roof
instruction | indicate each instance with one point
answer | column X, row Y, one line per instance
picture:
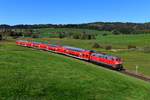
column 36, row 42
column 74, row 49
column 52, row 45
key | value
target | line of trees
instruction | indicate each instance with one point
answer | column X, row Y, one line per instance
column 82, row 35
column 15, row 33
column 115, row 27
column 4, row 33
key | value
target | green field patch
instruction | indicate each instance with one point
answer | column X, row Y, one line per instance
column 34, row 74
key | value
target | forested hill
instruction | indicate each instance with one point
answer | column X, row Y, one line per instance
column 116, row 27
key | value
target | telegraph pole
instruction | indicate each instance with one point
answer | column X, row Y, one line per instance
column 137, row 67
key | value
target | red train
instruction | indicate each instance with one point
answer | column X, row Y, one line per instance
column 88, row 55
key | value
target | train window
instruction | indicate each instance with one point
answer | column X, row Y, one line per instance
column 92, row 51
column 93, row 54
column 118, row 59
column 110, row 58
column 100, row 56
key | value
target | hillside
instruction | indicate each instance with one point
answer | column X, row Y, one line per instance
column 32, row 74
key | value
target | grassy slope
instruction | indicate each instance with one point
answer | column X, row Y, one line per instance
column 122, row 41
column 30, row 74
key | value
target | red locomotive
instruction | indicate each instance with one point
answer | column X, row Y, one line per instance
column 88, row 55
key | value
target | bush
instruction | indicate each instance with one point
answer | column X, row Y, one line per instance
column 35, row 36
column 1, row 37
column 109, row 47
column 96, row 45
column 104, row 34
column 61, row 35
column 83, row 36
column 116, row 32
column 147, row 49
column 76, row 36
column 131, row 47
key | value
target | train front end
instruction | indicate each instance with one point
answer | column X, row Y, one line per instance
column 118, row 64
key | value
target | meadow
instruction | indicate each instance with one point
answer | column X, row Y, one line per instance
column 28, row 74
column 117, row 41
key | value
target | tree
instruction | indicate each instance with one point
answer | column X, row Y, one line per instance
column 83, row 36
column 96, row 45
column 131, row 47
column 1, row 37
column 28, row 32
column 116, row 32
column 5, row 32
column 109, row 47
column 35, row 35
column 61, row 35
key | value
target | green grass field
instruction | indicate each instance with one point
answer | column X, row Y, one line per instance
column 27, row 74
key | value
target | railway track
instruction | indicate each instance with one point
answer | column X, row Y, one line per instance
column 133, row 74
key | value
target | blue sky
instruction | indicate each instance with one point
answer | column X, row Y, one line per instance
column 73, row 11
